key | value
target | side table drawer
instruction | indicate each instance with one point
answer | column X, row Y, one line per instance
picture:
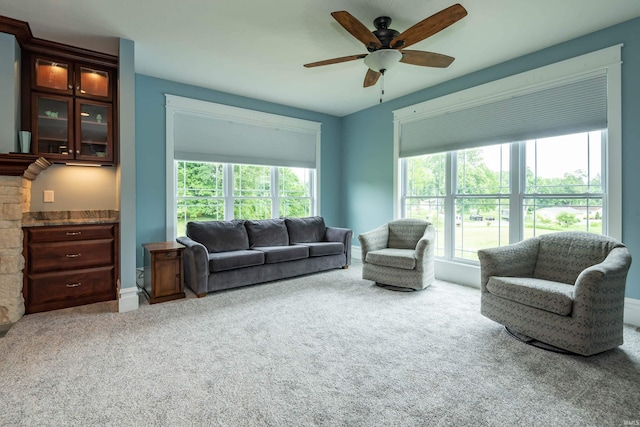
column 70, row 255
column 47, row 288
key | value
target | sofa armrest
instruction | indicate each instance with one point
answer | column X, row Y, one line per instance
column 342, row 235
column 425, row 248
column 515, row 260
column 373, row 240
column 196, row 265
column 600, row 289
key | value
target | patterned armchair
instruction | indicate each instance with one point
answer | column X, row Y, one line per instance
column 563, row 289
column 399, row 254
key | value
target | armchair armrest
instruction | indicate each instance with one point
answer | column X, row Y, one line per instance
column 373, row 240
column 343, row 235
column 196, row 265
column 599, row 289
column 515, row 260
column 425, row 248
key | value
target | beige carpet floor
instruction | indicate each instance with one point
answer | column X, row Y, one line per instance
column 328, row 349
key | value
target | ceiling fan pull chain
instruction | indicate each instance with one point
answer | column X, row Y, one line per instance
column 381, row 87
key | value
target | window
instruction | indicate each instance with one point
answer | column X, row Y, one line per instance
column 501, row 193
column 219, row 191
column 200, row 193
column 563, row 186
column 482, row 190
column 425, row 189
column 251, row 192
column 531, row 153
column 294, row 192
column 225, row 162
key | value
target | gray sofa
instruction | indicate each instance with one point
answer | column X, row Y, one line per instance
column 228, row 254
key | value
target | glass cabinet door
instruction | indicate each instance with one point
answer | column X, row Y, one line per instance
column 52, row 75
column 51, row 126
column 93, row 83
column 93, row 131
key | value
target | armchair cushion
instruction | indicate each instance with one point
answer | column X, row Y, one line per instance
column 405, row 233
column 395, row 258
column 577, row 252
column 543, row 294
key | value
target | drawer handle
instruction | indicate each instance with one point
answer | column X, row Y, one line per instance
column 73, row 285
column 73, row 255
column 74, row 233
column 170, row 254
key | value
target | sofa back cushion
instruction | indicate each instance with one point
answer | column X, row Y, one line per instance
column 267, row 232
column 219, row 236
column 563, row 256
column 306, row 230
column 405, row 233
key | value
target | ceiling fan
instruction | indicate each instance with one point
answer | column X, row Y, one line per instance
column 387, row 46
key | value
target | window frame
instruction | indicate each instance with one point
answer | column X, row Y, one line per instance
column 515, row 198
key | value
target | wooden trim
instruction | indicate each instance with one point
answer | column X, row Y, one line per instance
column 24, row 36
column 18, row 164
column 72, row 53
column 19, row 29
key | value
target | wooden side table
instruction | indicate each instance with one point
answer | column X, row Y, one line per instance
column 163, row 271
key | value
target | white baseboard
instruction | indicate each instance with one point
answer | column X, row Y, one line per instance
column 632, row 311
column 356, row 252
column 128, row 299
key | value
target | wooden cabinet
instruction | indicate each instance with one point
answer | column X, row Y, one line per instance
column 163, row 277
column 71, row 109
column 67, row 266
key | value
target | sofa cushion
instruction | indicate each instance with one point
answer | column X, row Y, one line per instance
column 222, row 261
column 547, row 295
column 219, row 236
column 306, row 230
column 395, row 258
column 323, row 248
column 275, row 254
column 267, row 232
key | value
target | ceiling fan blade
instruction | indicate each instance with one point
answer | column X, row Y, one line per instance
column 335, row 60
column 357, row 29
column 426, row 59
column 371, row 78
column 430, row 26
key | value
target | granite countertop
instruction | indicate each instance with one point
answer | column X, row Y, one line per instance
column 38, row 219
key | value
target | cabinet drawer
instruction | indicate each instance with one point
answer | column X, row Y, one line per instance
column 70, row 255
column 70, row 233
column 48, row 288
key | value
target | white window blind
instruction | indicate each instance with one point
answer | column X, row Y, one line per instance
column 576, row 106
column 204, row 131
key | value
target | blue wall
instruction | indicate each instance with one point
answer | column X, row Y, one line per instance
column 368, row 136
column 150, row 152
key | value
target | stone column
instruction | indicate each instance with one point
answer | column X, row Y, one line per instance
column 15, row 199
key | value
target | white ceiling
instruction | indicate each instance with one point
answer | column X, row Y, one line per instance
column 256, row 48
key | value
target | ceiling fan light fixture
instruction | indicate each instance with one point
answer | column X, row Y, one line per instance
column 383, row 59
